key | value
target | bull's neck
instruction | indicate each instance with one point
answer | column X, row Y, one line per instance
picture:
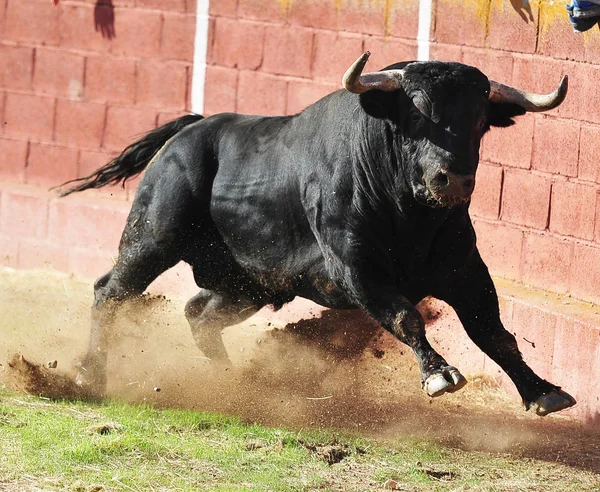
column 380, row 171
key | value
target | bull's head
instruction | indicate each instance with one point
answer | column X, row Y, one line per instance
column 440, row 111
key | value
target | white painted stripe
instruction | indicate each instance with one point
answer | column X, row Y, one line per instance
column 423, row 42
column 200, row 51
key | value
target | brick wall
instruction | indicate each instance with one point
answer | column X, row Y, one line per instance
column 71, row 99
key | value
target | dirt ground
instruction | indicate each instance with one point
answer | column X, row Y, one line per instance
column 339, row 371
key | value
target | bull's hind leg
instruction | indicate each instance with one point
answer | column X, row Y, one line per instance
column 209, row 312
column 137, row 266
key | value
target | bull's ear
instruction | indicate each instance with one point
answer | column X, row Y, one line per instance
column 502, row 114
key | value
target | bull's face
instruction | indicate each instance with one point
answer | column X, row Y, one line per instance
column 443, row 114
column 438, row 113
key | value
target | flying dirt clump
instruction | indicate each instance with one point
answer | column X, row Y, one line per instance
column 36, row 379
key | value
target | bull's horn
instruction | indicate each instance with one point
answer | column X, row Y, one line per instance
column 501, row 93
column 353, row 81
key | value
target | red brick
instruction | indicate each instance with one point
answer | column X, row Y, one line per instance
column 556, row 38
column 23, row 213
column 110, row 79
column 165, row 5
column 2, row 16
column 556, row 146
column 264, row 10
column 79, row 124
column 575, row 346
column 511, row 146
column 34, row 20
column 534, row 330
column 58, row 73
column 126, row 125
column 89, row 262
column 117, row 3
column 223, row 8
column 16, row 67
column 525, row 199
column 191, row 5
column 500, row 248
column 14, row 157
column 597, row 233
column 385, row 51
column 546, row 262
column 572, row 209
column 445, row 52
column 542, row 75
column 314, row 13
column 237, row 44
column 577, row 350
column 9, row 252
column 79, row 29
column 220, row 90
column 288, row 51
column 506, row 305
column 585, row 274
column 334, row 53
column 87, row 223
column 592, row 47
column 496, row 65
column 161, row 85
column 404, row 19
column 34, row 253
column 262, row 94
column 138, row 33
column 50, row 165
column 589, row 150
column 302, row 94
column 364, row 17
column 29, row 116
column 486, row 198
column 461, row 23
column 507, row 28
column 591, row 92
column 178, row 37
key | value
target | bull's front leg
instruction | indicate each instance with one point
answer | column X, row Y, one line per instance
column 401, row 318
column 473, row 296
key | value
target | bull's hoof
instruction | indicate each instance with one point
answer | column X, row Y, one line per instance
column 555, row 401
column 446, row 380
column 92, row 381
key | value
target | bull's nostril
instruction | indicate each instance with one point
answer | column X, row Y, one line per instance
column 441, row 180
column 469, row 183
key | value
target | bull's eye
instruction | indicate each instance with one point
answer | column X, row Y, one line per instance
column 415, row 117
column 481, row 123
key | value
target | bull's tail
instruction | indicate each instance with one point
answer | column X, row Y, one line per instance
column 133, row 160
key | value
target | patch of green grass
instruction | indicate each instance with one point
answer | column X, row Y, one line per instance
column 71, row 445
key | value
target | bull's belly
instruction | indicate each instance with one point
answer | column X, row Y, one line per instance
column 285, row 284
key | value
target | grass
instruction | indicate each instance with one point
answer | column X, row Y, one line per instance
column 74, row 445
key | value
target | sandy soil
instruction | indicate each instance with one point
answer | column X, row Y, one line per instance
column 338, row 371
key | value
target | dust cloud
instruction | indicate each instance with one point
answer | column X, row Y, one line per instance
column 338, row 371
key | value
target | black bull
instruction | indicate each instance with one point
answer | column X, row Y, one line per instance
column 360, row 201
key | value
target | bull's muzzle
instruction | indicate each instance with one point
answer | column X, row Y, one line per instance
column 449, row 187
